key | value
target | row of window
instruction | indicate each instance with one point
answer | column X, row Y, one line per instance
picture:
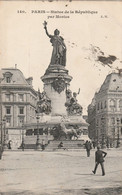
column 8, row 110
column 101, row 105
column 112, row 120
column 21, row 110
column 20, row 98
column 20, row 121
column 8, row 79
column 112, row 104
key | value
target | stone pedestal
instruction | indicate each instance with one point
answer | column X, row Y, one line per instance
column 56, row 81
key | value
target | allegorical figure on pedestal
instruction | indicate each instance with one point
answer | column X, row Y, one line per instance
column 59, row 47
column 73, row 108
column 43, row 104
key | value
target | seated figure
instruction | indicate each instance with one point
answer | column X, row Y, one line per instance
column 60, row 145
column 43, row 104
column 73, row 108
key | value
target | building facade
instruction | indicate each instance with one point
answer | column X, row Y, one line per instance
column 18, row 103
column 105, row 115
column 91, row 119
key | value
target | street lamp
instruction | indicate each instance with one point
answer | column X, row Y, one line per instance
column 23, row 142
column 38, row 145
column 107, row 144
column 114, row 136
column 4, row 142
column 1, row 122
column 97, row 134
column 118, row 140
column 1, row 139
column 1, row 142
column 103, row 133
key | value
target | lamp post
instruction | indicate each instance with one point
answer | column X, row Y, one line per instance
column 23, row 141
column 107, row 144
column 118, row 140
column 97, row 134
column 112, row 143
column 38, row 145
column 103, row 133
column 114, row 136
column 4, row 142
column 1, row 141
column 1, row 122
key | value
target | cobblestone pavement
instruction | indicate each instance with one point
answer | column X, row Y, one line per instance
column 59, row 172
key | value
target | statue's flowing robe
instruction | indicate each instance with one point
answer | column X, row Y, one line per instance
column 59, row 50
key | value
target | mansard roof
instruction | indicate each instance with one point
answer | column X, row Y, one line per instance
column 17, row 77
column 113, row 82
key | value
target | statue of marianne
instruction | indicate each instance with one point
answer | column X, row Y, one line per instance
column 59, row 47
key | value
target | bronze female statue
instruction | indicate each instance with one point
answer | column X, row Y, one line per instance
column 59, row 47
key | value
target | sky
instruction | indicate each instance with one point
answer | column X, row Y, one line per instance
column 84, row 27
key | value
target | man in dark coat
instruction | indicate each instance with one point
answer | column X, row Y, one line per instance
column 99, row 159
column 43, row 145
column 88, row 147
column 23, row 146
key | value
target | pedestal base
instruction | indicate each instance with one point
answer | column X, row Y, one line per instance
column 56, row 80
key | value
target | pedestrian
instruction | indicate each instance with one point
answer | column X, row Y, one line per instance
column 23, row 146
column 61, row 145
column 99, row 159
column 94, row 144
column 88, row 148
column 9, row 145
column 43, row 145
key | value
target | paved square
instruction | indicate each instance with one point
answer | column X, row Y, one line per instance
column 59, row 172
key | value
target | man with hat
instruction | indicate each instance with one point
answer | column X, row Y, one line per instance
column 99, row 159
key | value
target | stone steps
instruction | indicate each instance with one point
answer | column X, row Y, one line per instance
column 73, row 144
column 32, row 139
column 30, row 143
column 30, row 146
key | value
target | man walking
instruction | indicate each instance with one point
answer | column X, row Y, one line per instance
column 99, row 159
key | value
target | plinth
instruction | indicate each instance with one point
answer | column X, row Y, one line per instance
column 56, row 82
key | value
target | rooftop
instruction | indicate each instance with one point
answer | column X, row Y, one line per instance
column 15, row 75
column 113, row 82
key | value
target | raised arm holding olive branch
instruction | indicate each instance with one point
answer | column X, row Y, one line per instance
column 59, row 47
